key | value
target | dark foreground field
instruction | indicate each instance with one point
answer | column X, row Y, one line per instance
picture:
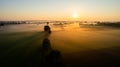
column 70, row 46
column 109, row 57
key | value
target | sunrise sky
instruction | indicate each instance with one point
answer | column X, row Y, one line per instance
column 90, row 10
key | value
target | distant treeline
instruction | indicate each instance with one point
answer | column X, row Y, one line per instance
column 110, row 24
column 2, row 23
column 97, row 23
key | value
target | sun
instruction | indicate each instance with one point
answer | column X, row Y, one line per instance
column 75, row 15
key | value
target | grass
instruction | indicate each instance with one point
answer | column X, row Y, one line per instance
column 16, row 48
column 79, row 47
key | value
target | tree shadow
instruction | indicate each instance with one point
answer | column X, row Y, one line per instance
column 50, row 57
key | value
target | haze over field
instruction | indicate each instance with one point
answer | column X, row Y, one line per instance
column 86, row 46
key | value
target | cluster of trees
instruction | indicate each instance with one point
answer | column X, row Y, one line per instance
column 110, row 24
column 2, row 23
column 98, row 23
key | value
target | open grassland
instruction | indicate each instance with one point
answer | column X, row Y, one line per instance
column 21, row 45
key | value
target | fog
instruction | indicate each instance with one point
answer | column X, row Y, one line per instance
column 72, row 40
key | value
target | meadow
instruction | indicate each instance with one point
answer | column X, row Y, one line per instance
column 20, row 45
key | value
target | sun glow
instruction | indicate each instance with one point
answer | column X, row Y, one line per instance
column 75, row 15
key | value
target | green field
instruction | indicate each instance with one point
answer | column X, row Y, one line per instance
column 21, row 45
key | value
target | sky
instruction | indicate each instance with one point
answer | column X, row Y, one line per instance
column 86, row 10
